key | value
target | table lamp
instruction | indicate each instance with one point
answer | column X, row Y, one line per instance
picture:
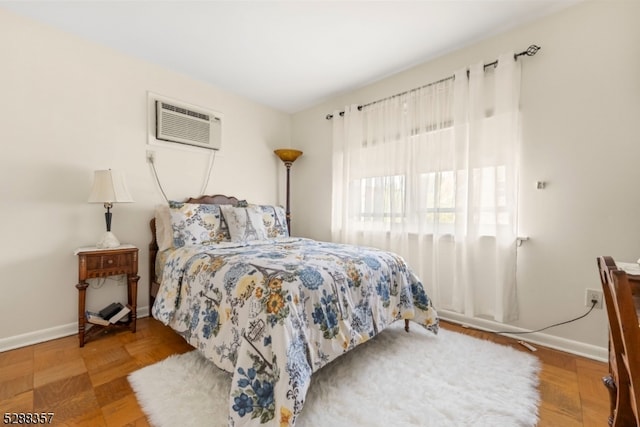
column 109, row 187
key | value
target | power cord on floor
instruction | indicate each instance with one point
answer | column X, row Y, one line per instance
column 593, row 305
column 529, row 346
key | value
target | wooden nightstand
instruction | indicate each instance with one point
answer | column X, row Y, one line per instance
column 94, row 263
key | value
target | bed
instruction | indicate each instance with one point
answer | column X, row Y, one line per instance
column 269, row 308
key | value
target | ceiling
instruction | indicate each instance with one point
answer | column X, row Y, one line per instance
column 289, row 55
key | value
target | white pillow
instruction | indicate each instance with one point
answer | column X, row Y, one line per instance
column 164, row 231
column 245, row 223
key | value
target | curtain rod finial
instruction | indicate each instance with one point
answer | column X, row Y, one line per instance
column 531, row 50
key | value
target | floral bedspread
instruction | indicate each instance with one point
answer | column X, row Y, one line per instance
column 272, row 313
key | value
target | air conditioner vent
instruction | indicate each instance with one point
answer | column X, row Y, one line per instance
column 185, row 125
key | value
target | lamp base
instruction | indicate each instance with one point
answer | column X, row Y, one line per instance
column 108, row 240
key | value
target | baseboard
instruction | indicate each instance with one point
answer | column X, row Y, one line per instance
column 49, row 334
column 574, row 347
column 589, row 351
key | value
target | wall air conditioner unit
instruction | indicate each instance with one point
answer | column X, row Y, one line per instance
column 186, row 125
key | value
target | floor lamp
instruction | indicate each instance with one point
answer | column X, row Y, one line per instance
column 288, row 156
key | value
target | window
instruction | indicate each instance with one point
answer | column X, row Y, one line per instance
column 381, row 199
column 437, row 197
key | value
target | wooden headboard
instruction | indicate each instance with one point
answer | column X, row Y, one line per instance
column 154, row 285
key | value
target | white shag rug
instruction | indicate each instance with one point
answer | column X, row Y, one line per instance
column 397, row 379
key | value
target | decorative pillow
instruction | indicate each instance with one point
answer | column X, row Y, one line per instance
column 164, row 231
column 245, row 223
column 275, row 221
column 197, row 224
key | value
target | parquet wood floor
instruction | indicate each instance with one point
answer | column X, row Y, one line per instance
column 88, row 386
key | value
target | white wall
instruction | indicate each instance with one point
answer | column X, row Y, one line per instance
column 581, row 106
column 69, row 107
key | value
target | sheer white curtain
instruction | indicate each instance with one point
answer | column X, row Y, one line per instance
column 432, row 175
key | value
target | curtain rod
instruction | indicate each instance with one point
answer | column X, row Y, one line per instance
column 531, row 50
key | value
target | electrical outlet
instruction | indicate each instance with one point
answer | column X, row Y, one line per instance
column 593, row 295
column 151, row 156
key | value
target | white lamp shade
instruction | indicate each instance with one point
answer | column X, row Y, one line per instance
column 109, row 186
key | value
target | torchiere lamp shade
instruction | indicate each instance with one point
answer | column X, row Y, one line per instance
column 288, row 155
column 109, row 187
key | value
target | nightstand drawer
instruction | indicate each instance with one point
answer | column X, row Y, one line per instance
column 111, row 261
column 103, row 263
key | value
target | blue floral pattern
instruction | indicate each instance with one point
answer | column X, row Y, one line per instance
column 274, row 312
column 244, row 223
column 197, row 224
column 274, row 219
